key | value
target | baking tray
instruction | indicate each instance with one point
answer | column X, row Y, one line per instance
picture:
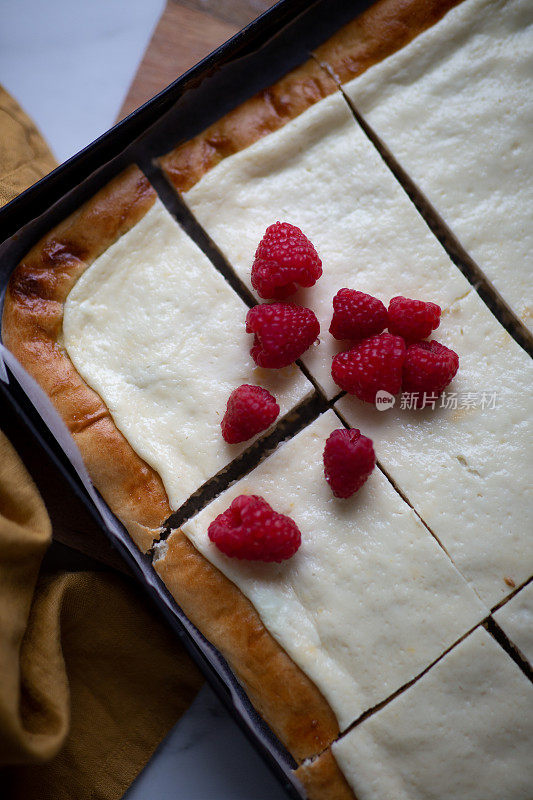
column 256, row 57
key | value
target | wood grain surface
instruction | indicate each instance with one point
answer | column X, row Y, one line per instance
column 187, row 32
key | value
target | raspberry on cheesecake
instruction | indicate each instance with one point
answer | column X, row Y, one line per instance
column 412, row 319
column 284, row 260
column 375, row 364
column 349, row 459
column 428, row 369
column 250, row 529
column 357, row 315
column 282, row 332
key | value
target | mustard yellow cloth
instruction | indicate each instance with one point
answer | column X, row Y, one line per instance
column 24, row 155
column 91, row 679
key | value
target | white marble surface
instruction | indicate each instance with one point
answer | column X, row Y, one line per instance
column 205, row 757
column 70, row 65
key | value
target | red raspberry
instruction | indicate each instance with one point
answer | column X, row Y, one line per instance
column 412, row 319
column 357, row 315
column 349, row 459
column 428, row 369
column 250, row 409
column 372, row 365
column 251, row 529
column 285, row 257
column 283, row 331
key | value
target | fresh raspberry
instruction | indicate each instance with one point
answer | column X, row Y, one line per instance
column 283, row 331
column 349, row 459
column 372, row 365
column 428, row 369
column 357, row 315
column 284, row 260
column 251, row 529
column 412, row 319
column 250, row 409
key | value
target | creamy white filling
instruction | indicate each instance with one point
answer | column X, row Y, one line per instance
column 467, row 467
column 159, row 334
column 454, row 107
column 320, row 172
column 463, row 731
column 516, row 619
column 369, row 600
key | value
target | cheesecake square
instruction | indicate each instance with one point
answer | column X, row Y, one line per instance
column 368, row 601
column 157, row 331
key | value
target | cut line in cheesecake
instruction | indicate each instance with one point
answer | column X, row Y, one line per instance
column 513, row 625
column 175, row 205
column 283, row 430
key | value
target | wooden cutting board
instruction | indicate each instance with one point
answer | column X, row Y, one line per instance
column 187, row 31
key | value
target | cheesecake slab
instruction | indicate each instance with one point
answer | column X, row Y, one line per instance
column 464, row 730
column 368, row 601
column 138, row 341
column 465, row 464
column 454, row 108
column 516, row 620
column 321, row 173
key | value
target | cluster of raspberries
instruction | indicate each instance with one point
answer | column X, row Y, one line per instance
column 389, row 360
column 395, row 361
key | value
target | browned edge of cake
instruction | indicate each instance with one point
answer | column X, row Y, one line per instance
column 281, row 692
column 323, row 779
column 262, row 114
column 31, row 328
column 377, row 33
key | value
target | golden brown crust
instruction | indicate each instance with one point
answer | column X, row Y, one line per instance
column 284, row 696
column 262, row 114
column 381, row 30
column 322, row 779
column 31, row 329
